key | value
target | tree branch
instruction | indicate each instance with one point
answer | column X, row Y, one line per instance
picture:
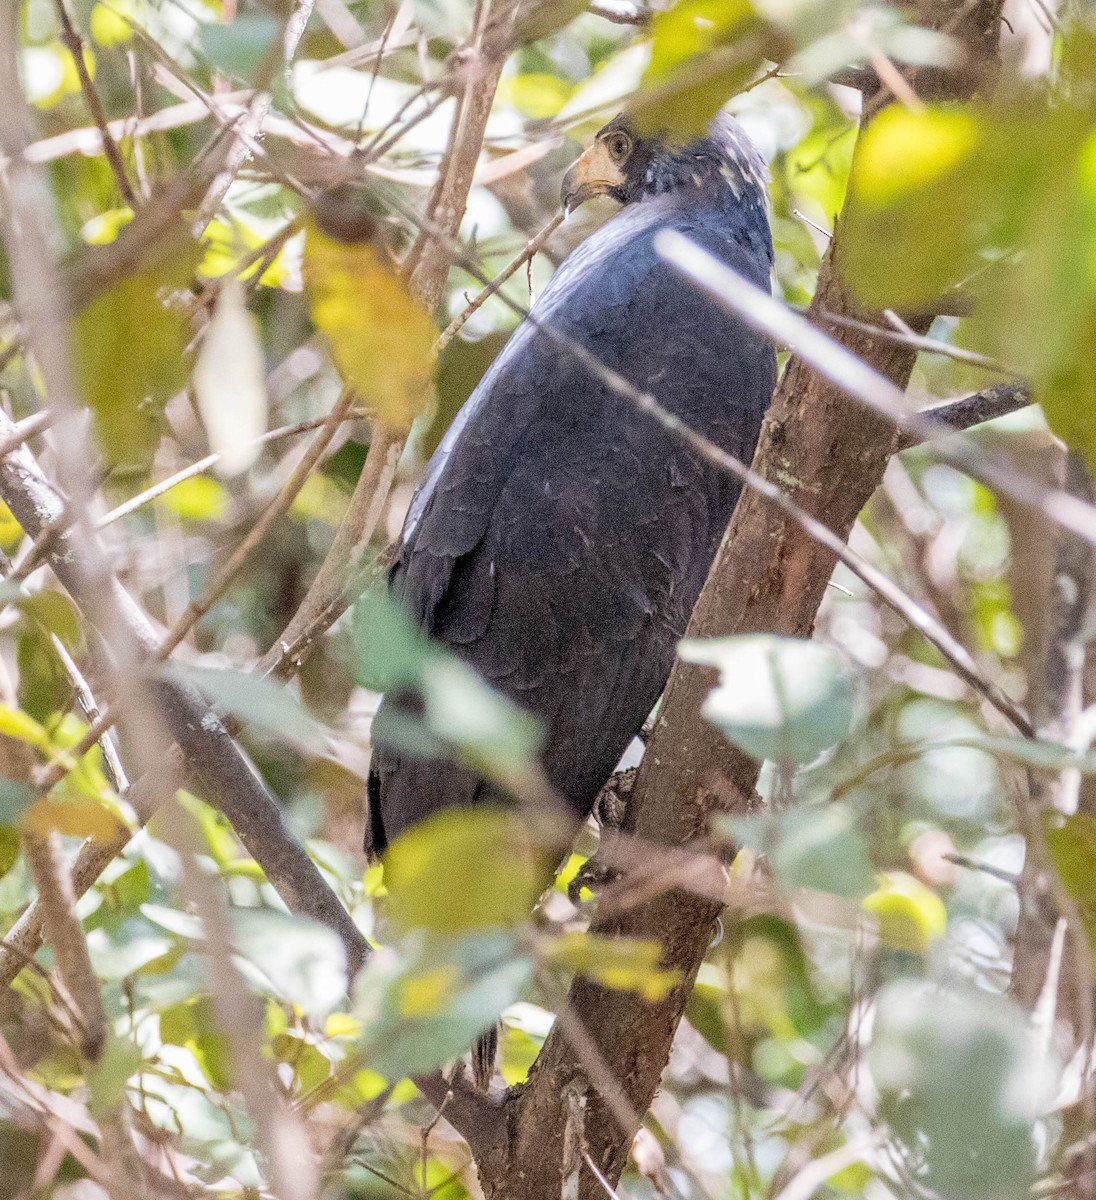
column 969, row 411
column 74, row 43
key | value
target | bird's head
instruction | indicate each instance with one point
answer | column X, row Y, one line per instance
column 628, row 167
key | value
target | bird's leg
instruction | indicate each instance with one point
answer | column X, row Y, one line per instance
column 610, row 808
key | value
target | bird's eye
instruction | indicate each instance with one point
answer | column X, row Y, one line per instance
column 619, row 144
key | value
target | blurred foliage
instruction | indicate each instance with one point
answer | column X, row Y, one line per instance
column 855, row 1002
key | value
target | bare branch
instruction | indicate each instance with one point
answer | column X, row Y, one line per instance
column 527, row 255
column 66, row 936
column 73, row 42
column 969, row 411
column 921, row 342
column 275, row 509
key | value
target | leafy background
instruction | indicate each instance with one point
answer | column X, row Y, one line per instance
column 855, row 1015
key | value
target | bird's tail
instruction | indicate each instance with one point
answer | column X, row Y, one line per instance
column 484, row 1053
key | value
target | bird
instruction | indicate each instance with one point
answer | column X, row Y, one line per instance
column 559, row 537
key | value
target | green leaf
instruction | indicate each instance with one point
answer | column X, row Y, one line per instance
column 459, row 714
column 305, row 961
column 108, row 1078
column 129, row 349
column 389, row 651
column 44, row 687
column 961, row 1082
column 240, row 49
column 821, row 848
column 256, row 700
column 910, row 169
column 493, row 734
column 1071, row 841
column 702, row 53
column 427, row 1006
column 9, row 845
column 465, row 869
column 54, row 612
column 784, row 699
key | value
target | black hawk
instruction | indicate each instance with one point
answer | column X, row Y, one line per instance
column 559, row 538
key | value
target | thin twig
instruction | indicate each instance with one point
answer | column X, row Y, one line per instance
column 281, row 502
column 66, row 935
column 621, row 14
column 156, row 490
column 920, row 342
column 24, row 430
column 528, row 253
column 112, row 762
column 74, row 43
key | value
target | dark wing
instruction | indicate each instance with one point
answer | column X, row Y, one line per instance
column 560, row 538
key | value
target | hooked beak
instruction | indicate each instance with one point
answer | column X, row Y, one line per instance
column 592, row 174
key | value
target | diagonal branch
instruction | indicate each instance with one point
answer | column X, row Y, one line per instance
column 74, row 43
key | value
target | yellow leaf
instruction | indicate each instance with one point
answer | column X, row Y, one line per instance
column 11, row 532
column 18, row 725
column 83, row 820
column 381, row 340
column 342, row 1025
column 197, row 499
column 903, row 151
column 109, row 27
column 464, row 869
column 428, row 994
column 105, row 227
column 911, row 916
